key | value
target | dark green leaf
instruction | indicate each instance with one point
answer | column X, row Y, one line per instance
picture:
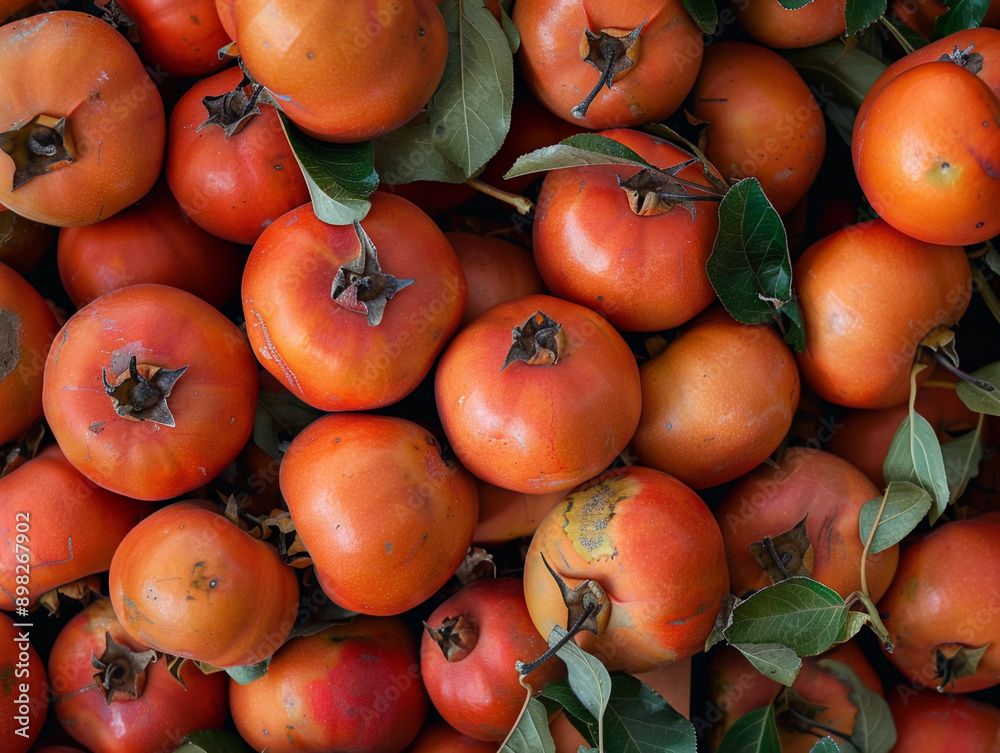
column 469, row 114
column 279, row 417
column 799, row 613
column 874, row 730
column 978, row 399
column 962, row 456
column 588, row 677
column 639, row 720
column 750, row 268
column 915, row 456
column 826, row 745
column 212, row 741
column 532, row 732
column 246, row 675
column 577, row 714
column 340, row 177
column 412, row 153
column 509, row 30
column 793, row 4
column 576, row 151
column 863, row 13
column 961, row 15
column 755, row 732
column 776, row 662
column 905, row 506
column 704, row 13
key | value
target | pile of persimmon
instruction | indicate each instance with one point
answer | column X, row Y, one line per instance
column 299, row 459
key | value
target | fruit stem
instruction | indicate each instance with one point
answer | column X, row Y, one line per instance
column 521, row 204
column 942, row 359
column 588, row 611
column 769, row 544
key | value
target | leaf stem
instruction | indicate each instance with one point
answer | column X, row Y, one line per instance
column 585, row 614
column 521, row 204
column 868, row 543
column 943, row 360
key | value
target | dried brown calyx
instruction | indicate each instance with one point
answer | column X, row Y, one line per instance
column 785, row 555
column 141, row 392
column 954, row 661
column 37, row 147
column 971, row 61
column 456, row 637
column 540, row 341
column 233, row 110
column 612, row 52
column 122, row 672
column 361, row 285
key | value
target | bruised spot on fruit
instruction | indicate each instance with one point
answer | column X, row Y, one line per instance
column 10, row 350
column 587, row 514
column 943, row 174
column 682, row 620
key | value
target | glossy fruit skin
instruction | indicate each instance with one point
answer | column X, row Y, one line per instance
column 927, row 722
column 182, row 38
column 352, row 688
column 188, row 582
column 480, row 694
column 736, row 687
column 345, row 364
column 929, row 606
column 651, row 90
column 868, row 295
column 232, row 187
column 25, row 688
column 642, row 273
column 771, row 500
column 96, row 259
column 71, row 527
column 119, row 135
column 156, row 720
column 349, row 75
column 658, row 555
column 495, row 271
column 920, row 16
column 537, row 428
column 438, row 736
column 772, row 25
column 213, row 403
column 763, row 120
column 27, row 327
column 717, row 401
column 932, row 173
column 379, row 548
column 506, row 515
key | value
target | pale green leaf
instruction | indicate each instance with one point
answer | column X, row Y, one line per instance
column 906, row 504
column 588, row 677
column 874, row 730
column 532, row 732
column 776, row 662
column 978, row 399
column 915, row 456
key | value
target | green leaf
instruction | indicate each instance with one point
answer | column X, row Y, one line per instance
column 906, row 504
column 915, row 456
column 961, row 15
column 532, row 732
column 874, row 730
column 863, row 13
column 576, row 151
column 962, row 456
column 340, row 177
column 212, row 741
column 509, row 30
column 246, row 675
column 639, row 720
column 704, row 13
column 755, row 732
column 279, row 417
column 774, row 661
column 978, row 399
column 826, row 745
column 577, row 714
column 750, row 268
column 798, row 612
column 411, row 153
column 470, row 111
column 669, row 134
column 793, row 4
column 588, row 677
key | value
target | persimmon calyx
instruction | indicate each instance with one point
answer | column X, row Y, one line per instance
column 956, row 660
column 361, row 286
column 612, row 52
column 971, row 61
column 653, row 191
column 141, row 392
column 785, row 555
column 456, row 637
column 122, row 672
column 37, row 147
column 233, row 110
column 540, row 341
column 795, row 713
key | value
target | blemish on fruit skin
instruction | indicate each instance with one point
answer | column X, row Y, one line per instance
column 682, row 620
